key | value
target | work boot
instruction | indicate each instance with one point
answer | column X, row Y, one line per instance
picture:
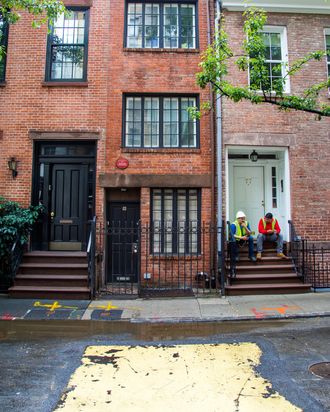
column 259, row 256
column 282, row 256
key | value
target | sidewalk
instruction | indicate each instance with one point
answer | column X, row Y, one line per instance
column 202, row 309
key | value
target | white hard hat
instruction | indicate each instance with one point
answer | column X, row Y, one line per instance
column 240, row 214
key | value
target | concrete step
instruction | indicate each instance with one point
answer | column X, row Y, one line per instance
column 265, row 278
column 256, row 268
column 54, row 257
column 53, row 268
column 49, row 292
column 267, row 289
column 51, row 280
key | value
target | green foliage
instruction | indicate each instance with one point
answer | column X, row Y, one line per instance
column 15, row 223
column 262, row 87
column 42, row 10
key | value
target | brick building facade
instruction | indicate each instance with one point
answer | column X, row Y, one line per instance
column 95, row 113
column 290, row 178
column 107, row 87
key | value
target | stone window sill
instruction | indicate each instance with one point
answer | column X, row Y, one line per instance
column 64, row 84
column 162, row 50
column 3, row 84
column 161, row 150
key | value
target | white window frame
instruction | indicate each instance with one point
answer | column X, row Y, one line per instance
column 326, row 33
column 284, row 51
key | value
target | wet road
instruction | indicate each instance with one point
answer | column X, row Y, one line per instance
column 38, row 358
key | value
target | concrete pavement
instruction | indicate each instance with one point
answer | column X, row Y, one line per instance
column 203, row 309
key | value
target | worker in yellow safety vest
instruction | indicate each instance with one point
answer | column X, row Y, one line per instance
column 242, row 233
column 270, row 230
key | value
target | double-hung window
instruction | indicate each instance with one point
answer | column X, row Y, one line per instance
column 161, row 25
column 276, row 59
column 67, row 47
column 175, row 221
column 160, row 122
column 3, row 46
column 327, row 48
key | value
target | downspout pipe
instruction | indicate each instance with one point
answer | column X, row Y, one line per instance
column 218, row 113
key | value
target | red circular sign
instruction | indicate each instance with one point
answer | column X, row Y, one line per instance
column 122, row 163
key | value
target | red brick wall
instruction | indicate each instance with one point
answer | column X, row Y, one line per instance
column 26, row 104
column 307, row 138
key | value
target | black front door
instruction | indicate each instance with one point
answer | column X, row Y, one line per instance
column 68, row 211
column 122, row 239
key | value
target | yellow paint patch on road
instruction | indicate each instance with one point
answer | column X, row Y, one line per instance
column 213, row 377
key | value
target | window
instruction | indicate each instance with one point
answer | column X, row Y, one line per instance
column 175, row 221
column 327, row 47
column 276, row 58
column 67, row 47
column 274, row 188
column 161, row 25
column 153, row 122
column 3, row 45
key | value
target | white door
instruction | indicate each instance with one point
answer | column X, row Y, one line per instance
column 248, row 182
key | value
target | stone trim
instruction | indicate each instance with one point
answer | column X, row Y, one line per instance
column 64, row 135
column 78, row 3
column 152, row 180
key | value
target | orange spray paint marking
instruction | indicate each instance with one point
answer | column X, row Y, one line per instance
column 259, row 315
column 281, row 309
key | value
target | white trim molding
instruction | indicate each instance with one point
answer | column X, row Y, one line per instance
column 281, row 6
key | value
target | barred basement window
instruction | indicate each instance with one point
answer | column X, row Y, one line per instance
column 274, row 188
column 161, row 25
column 3, row 46
column 67, row 47
column 154, row 122
column 175, row 221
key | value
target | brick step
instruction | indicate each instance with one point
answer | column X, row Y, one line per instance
column 265, row 278
column 53, row 268
column 49, row 292
column 268, row 253
column 51, row 280
column 54, row 257
column 268, row 289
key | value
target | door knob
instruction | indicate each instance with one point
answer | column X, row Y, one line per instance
column 52, row 214
column 263, row 203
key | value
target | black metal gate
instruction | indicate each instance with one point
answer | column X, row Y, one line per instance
column 160, row 260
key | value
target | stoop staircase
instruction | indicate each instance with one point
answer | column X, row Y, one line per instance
column 52, row 275
column 270, row 276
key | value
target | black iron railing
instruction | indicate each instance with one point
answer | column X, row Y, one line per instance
column 312, row 262
column 162, row 259
column 91, row 255
column 231, row 245
column 10, row 264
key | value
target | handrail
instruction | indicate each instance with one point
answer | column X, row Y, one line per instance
column 91, row 252
column 231, row 253
column 298, row 250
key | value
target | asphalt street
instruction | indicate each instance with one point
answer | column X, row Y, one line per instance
column 39, row 357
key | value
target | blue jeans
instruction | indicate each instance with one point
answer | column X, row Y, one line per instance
column 250, row 243
column 273, row 238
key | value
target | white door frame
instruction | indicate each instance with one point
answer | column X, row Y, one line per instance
column 283, row 210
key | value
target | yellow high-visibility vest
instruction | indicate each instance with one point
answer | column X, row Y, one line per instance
column 273, row 223
column 240, row 231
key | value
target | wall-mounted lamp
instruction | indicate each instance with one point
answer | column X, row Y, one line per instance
column 254, row 156
column 12, row 165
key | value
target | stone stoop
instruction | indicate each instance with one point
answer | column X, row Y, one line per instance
column 270, row 276
column 52, row 275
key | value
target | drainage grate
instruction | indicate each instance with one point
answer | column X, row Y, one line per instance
column 321, row 369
